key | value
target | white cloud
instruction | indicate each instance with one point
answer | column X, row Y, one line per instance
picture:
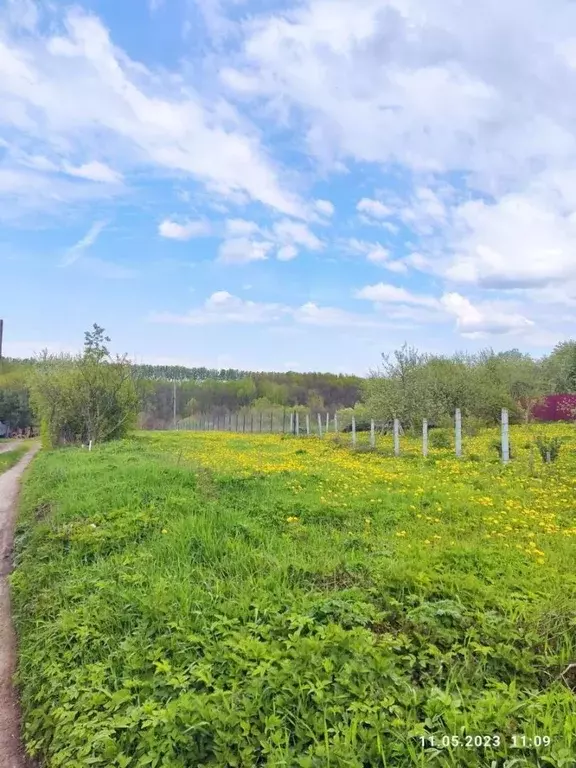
column 72, row 89
column 76, row 251
column 241, row 227
column 174, row 231
column 223, row 307
column 324, row 207
column 333, row 317
column 287, row 253
column 521, row 241
column 373, row 208
column 94, row 171
column 376, row 254
column 383, row 293
column 477, row 322
column 432, row 95
column 25, row 192
column 296, row 233
column 242, row 250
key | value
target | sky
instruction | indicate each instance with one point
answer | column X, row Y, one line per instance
column 273, row 185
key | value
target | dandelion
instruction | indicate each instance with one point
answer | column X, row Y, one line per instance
column 292, row 519
column 164, row 530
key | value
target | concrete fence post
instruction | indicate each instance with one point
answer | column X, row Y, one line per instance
column 425, row 438
column 458, row 432
column 505, row 437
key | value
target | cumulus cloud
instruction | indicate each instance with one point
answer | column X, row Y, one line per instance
column 243, row 250
column 384, row 293
column 324, row 207
column 432, row 94
column 477, row 322
column 373, row 208
column 287, row 253
column 377, row 254
column 223, row 307
column 174, row 231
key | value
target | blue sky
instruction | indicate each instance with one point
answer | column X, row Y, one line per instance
column 271, row 185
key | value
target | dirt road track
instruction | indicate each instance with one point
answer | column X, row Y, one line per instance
column 11, row 752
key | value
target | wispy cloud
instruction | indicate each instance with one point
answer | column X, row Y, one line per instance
column 76, row 251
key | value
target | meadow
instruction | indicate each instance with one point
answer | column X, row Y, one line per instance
column 212, row 599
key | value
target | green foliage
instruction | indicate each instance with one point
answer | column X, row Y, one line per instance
column 413, row 386
column 91, row 397
column 9, row 458
column 440, row 438
column 549, row 448
column 15, row 407
column 497, row 446
column 173, row 618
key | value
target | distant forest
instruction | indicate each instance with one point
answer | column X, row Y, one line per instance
column 408, row 384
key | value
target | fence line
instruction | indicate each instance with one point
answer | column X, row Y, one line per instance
column 288, row 422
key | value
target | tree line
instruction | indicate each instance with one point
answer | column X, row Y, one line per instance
column 94, row 396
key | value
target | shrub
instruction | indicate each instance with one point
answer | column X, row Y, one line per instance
column 549, row 449
column 440, row 438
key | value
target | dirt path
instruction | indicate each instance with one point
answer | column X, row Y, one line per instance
column 7, row 447
column 11, row 752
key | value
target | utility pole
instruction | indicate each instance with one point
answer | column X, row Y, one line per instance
column 174, row 405
column 1, row 334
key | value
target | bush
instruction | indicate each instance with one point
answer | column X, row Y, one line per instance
column 440, row 438
column 91, row 397
column 549, row 450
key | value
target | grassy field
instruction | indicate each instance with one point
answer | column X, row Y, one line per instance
column 205, row 599
column 9, row 458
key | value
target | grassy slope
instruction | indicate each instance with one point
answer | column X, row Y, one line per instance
column 292, row 605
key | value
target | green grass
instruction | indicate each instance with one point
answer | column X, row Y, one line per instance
column 9, row 458
column 169, row 615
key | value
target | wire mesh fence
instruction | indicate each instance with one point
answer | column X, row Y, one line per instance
column 359, row 432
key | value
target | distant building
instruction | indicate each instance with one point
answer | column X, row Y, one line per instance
column 556, row 408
